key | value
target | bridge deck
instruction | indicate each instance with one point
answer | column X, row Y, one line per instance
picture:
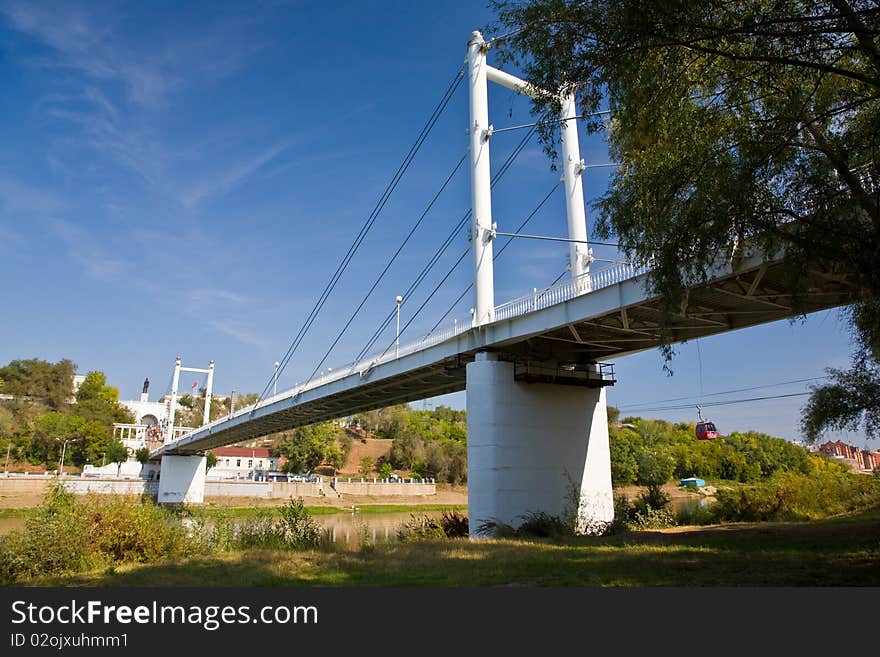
column 556, row 330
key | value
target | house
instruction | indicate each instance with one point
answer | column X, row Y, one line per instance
column 242, row 463
column 858, row 459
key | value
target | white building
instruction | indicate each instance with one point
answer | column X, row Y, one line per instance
column 242, row 462
column 146, row 412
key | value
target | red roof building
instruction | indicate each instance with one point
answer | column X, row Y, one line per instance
column 861, row 459
column 243, row 463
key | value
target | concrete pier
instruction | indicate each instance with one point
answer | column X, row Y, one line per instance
column 535, row 447
column 182, row 480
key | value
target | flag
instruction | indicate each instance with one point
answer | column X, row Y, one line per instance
column 195, row 384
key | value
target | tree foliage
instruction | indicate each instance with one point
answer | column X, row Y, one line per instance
column 310, row 446
column 654, row 451
column 42, row 420
column 368, row 465
column 191, row 409
column 40, row 379
column 97, row 401
column 731, row 122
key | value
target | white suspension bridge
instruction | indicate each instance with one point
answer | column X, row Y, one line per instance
column 534, row 368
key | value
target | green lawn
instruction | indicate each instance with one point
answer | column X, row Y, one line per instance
column 838, row 552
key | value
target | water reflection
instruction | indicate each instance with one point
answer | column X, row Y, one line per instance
column 350, row 530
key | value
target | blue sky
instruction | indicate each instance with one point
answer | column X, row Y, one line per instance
column 183, row 178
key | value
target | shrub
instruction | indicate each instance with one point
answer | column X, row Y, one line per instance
column 536, row 524
column 450, row 524
column 650, row 510
column 795, row 496
column 295, row 529
column 420, row 528
column 298, row 527
column 698, row 514
column 385, row 470
column 55, row 540
column 68, row 534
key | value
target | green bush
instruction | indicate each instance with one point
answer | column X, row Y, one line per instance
column 258, row 532
column 450, row 524
column 299, row 529
column 537, row 524
column 650, row 510
column 420, row 528
column 794, row 496
column 698, row 514
column 295, row 529
column 68, row 534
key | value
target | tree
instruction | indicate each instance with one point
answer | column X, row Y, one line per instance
column 39, row 379
column 94, row 386
column 385, row 470
column 210, row 460
column 730, row 122
column 116, row 453
column 97, row 401
column 51, row 431
column 367, row 465
column 310, row 446
column 142, row 455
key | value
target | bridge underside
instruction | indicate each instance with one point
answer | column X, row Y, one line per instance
column 749, row 298
column 557, row 344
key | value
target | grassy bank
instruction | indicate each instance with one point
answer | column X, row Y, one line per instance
column 837, row 552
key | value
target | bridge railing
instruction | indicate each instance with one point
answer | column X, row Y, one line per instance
column 536, row 300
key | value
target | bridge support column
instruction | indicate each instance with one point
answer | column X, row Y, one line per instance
column 182, row 480
column 535, row 447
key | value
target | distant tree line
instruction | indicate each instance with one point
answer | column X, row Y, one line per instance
column 647, row 452
column 426, row 443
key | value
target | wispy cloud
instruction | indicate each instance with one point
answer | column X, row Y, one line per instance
column 211, row 297
column 83, row 249
column 230, row 177
column 17, row 197
column 150, row 68
column 237, row 329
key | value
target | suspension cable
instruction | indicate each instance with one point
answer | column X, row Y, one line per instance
column 383, row 199
column 433, row 261
column 499, row 252
column 723, row 392
column 388, row 265
column 727, row 402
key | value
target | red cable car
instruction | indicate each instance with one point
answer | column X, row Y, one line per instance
column 705, row 430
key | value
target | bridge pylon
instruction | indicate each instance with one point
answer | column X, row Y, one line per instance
column 535, row 448
column 182, row 478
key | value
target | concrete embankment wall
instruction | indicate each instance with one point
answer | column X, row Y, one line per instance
column 359, row 487
column 112, row 486
column 14, row 487
column 263, row 489
column 24, row 485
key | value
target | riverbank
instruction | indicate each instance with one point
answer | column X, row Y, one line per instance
column 24, row 494
column 836, row 552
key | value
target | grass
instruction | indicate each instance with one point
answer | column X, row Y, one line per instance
column 837, row 552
